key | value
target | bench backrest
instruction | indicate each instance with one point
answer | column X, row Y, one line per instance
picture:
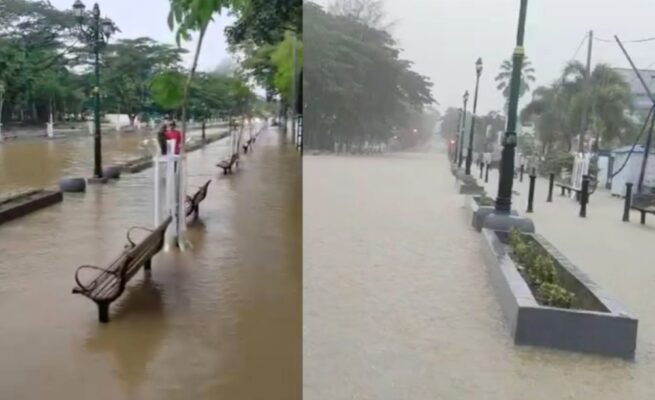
column 143, row 251
column 643, row 200
column 201, row 193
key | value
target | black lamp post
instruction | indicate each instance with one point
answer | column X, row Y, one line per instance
column 461, row 132
column 469, row 154
column 504, row 198
column 97, row 33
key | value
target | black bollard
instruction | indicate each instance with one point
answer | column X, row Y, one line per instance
column 521, row 173
column 584, row 196
column 551, row 182
column 533, row 179
column 628, row 202
column 481, row 169
column 486, row 174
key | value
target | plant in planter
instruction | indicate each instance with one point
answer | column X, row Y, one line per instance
column 485, row 201
column 538, row 270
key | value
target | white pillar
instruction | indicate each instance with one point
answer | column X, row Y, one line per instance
column 181, row 201
column 118, row 122
column 156, row 166
column 90, row 125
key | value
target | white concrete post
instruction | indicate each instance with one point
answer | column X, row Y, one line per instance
column 181, row 201
column 170, row 181
column 156, row 166
column 90, row 124
column 118, row 122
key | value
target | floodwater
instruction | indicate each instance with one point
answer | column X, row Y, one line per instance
column 30, row 163
column 222, row 321
column 397, row 303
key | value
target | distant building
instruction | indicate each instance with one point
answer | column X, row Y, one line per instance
column 640, row 99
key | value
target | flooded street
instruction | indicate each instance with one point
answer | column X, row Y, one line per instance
column 31, row 163
column 398, row 304
column 222, row 321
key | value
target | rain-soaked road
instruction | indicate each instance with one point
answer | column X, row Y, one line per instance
column 220, row 322
column 398, row 304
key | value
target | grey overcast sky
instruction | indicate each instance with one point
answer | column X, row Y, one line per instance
column 138, row 18
column 445, row 37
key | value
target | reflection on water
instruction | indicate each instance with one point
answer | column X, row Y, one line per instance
column 219, row 322
column 397, row 303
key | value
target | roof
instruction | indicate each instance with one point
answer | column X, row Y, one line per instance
column 641, row 99
column 626, row 149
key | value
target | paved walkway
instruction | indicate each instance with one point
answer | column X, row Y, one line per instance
column 398, row 304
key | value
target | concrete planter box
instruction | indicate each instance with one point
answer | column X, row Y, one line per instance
column 25, row 203
column 468, row 185
column 599, row 324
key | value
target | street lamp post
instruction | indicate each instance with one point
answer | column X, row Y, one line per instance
column 461, row 132
column 504, row 198
column 97, row 33
column 469, row 154
column 503, row 218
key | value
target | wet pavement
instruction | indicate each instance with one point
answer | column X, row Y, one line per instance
column 222, row 321
column 398, row 304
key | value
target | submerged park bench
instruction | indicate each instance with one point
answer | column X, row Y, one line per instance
column 193, row 202
column 109, row 283
column 227, row 164
column 248, row 145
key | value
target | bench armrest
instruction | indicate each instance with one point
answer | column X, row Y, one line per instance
column 132, row 244
column 82, row 288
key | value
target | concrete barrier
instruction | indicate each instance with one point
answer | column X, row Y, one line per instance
column 25, row 203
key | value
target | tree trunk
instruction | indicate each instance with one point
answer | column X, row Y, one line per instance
column 187, row 85
column 132, row 117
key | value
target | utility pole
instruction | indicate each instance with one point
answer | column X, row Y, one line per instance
column 585, row 112
column 294, row 89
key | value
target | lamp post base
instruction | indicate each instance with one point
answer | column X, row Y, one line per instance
column 506, row 222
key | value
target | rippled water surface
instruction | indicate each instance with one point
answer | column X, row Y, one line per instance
column 219, row 322
column 398, row 304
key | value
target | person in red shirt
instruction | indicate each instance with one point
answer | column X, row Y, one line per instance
column 173, row 134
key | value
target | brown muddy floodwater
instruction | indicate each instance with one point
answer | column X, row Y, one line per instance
column 30, row 163
column 397, row 303
column 222, row 321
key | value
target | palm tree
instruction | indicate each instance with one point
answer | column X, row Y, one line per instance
column 558, row 110
column 504, row 78
column 606, row 99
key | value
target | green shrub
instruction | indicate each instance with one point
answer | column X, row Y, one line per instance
column 485, row 201
column 538, row 269
column 554, row 295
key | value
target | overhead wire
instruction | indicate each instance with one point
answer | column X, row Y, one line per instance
column 643, row 129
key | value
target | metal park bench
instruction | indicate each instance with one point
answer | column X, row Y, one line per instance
column 193, row 202
column 228, row 163
column 109, row 283
column 644, row 203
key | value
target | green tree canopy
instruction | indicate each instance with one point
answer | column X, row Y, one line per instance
column 357, row 87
